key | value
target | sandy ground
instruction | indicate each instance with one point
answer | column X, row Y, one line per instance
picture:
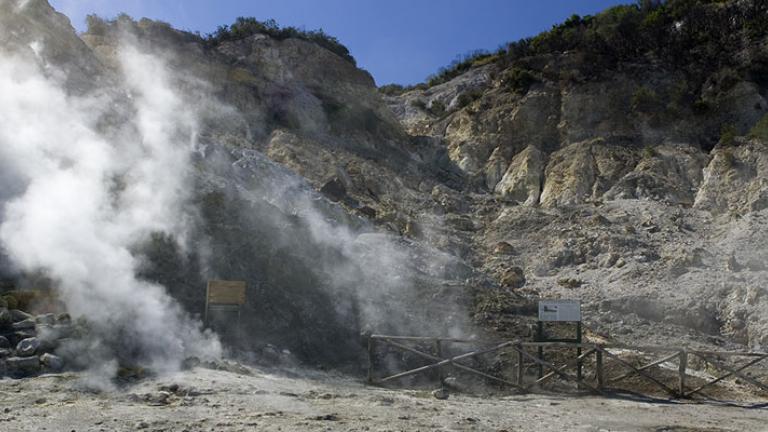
column 212, row 400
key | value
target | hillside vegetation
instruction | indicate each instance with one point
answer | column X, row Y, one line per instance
column 675, row 32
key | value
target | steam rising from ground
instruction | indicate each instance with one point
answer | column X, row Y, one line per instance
column 90, row 188
column 88, row 182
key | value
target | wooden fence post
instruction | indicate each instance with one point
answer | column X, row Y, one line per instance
column 599, row 368
column 371, row 355
column 520, row 369
column 681, row 373
column 439, row 353
column 579, row 375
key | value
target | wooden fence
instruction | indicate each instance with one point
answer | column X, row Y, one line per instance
column 599, row 382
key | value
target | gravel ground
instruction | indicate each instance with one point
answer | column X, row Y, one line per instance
column 214, row 400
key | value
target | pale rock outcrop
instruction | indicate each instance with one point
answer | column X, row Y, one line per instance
column 501, row 126
column 736, row 179
column 522, row 180
column 584, row 171
column 33, row 30
column 495, row 168
column 668, row 173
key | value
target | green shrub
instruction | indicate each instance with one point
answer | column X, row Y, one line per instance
column 644, row 100
column 437, row 108
column 698, row 37
column 760, row 129
column 700, row 107
column 518, row 80
column 464, row 63
column 467, row 98
column 11, row 301
column 728, row 134
column 728, row 159
column 96, row 25
column 244, row 27
column 418, row 103
column 392, row 89
column 728, row 78
column 648, row 152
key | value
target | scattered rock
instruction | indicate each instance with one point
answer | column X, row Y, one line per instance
column 609, row 260
column 334, row 189
column 27, row 347
column 24, row 334
column 513, row 277
column 18, row 315
column 503, row 248
column 440, row 394
column 158, row 398
column 6, row 319
column 367, row 211
column 23, row 366
column 326, row 417
column 47, row 319
column 732, row 265
column 190, row 362
column 26, row 324
column 570, row 282
column 52, row 362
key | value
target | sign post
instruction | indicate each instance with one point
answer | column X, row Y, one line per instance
column 224, row 297
column 559, row 311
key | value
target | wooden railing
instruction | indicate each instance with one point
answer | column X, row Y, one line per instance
column 598, row 382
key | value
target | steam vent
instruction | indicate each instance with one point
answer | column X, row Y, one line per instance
column 209, row 227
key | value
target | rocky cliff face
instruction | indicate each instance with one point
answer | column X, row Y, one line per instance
column 425, row 212
column 622, row 184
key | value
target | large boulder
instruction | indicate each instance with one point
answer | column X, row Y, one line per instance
column 27, row 347
column 23, row 366
column 24, row 325
column 668, row 173
column 523, row 178
column 52, row 362
column 584, row 171
column 18, row 315
column 735, row 179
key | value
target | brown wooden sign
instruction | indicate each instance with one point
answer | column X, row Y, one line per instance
column 226, row 292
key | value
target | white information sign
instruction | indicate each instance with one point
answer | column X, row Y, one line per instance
column 560, row 310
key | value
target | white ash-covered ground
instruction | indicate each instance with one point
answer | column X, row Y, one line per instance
column 215, row 400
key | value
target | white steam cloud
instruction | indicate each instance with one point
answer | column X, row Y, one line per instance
column 91, row 190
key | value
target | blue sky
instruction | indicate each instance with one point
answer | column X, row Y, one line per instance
column 397, row 41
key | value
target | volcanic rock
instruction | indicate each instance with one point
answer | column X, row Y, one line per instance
column 334, row 189
column 46, row 319
column 27, row 347
column 52, row 362
column 18, row 315
column 24, row 325
column 440, row 394
column 6, row 319
column 514, row 277
column 23, row 366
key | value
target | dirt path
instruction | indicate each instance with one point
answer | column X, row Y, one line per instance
column 209, row 400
